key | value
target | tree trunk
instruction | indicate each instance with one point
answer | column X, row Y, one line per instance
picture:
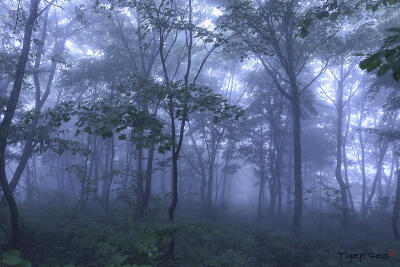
column 298, row 184
column 278, row 178
column 6, row 123
column 261, row 191
column 260, row 205
column 210, row 185
column 140, row 182
column 89, row 175
column 127, row 168
column 203, row 193
column 85, row 179
column 148, row 176
column 174, row 187
column 378, row 174
column 346, row 177
column 339, row 144
column 390, row 178
column 110, row 180
column 396, row 208
column 362, row 165
column 225, row 182
column 39, row 102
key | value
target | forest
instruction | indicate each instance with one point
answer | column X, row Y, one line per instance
column 207, row 133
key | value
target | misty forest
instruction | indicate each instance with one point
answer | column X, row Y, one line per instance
column 199, row 133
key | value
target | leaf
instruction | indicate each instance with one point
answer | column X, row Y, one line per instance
column 117, row 260
column 396, row 70
column 12, row 257
column 303, row 33
column 375, row 7
column 322, row 14
column 382, row 70
column 371, row 63
column 25, row 263
column 334, row 16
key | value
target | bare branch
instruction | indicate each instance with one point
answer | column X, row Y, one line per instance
column 316, row 77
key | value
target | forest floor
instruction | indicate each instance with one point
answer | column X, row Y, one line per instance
column 55, row 236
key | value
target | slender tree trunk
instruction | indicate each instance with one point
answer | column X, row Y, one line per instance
column 210, row 207
column 148, row 176
column 261, row 191
column 203, row 189
column 174, row 187
column 362, row 164
column 379, row 184
column 203, row 192
column 89, row 175
column 127, row 168
column 225, row 182
column 84, row 180
column 346, row 176
column 278, row 178
column 29, row 189
column 396, row 208
column 298, row 183
column 95, row 183
column 39, row 102
column 381, row 156
column 110, row 180
column 339, row 145
column 289, row 192
column 7, row 119
column 140, row 182
column 390, row 178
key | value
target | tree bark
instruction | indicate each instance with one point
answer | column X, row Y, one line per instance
column 390, row 178
column 396, row 207
column 211, row 163
column 7, row 120
column 148, row 176
column 339, row 144
column 111, row 178
column 298, row 184
column 378, row 174
column 140, row 182
column 39, row 102
column 345, row 164
column 261, row 190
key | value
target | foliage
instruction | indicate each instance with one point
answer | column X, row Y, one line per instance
column 114, row 240
column 387, row 58
column 122, row 111
column 14, row 258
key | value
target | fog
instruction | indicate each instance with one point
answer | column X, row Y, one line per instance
column 199, row 133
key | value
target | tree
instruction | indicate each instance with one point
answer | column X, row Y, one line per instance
column 269, row 30
column 343, row 94
column 34, row 13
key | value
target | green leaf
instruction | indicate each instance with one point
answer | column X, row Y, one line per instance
column 25, row 263
column 303, row 33
column 369, row 7
column 371, row 63
column 382, row 70
column 375, row 7
column 322, row 14
column 396, row 70
column 334, row 16
column 12, row 257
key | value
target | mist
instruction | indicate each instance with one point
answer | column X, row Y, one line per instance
column 199, row 133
